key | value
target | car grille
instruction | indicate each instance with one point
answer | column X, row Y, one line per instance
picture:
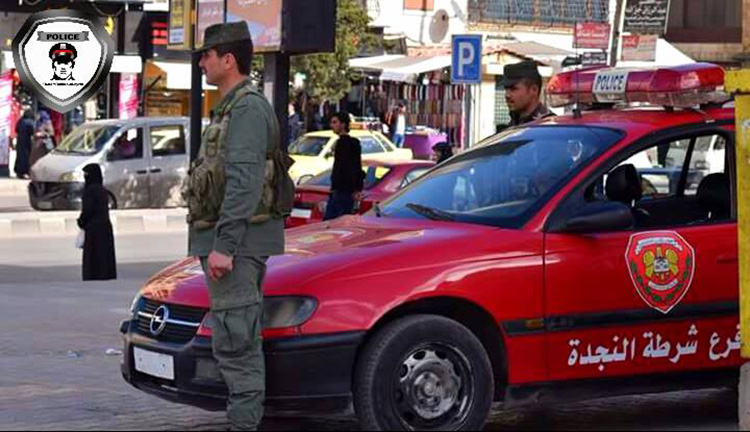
column 40, row 189
column 181, row 326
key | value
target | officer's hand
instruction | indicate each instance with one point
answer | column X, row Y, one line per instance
column 219, row 265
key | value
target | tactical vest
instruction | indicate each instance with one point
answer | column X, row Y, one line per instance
column 205, row 187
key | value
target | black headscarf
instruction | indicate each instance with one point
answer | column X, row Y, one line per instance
column 445, row 149
column 93, row 175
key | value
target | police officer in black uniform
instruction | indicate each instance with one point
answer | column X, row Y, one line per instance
column 523, row 90
column 63, row 57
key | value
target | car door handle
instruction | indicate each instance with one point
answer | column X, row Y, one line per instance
column 155, row 170
column 727, row 259
column 141, row 172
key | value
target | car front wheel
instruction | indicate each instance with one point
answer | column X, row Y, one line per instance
column 423, row 372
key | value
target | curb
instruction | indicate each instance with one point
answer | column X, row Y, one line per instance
column 13, row 187
column 59, row 223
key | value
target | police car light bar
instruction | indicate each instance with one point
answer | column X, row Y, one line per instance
column 678, row 87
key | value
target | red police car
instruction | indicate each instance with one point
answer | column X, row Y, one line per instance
column 559, row 260
column 382, row 179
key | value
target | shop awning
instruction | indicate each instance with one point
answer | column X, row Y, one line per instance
column 127, row 64
column 179, row 75
column 402, row 68
column 666, row 53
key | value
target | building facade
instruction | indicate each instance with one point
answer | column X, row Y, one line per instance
column 708, row 31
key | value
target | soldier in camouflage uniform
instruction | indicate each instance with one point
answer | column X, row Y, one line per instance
column 236, row 221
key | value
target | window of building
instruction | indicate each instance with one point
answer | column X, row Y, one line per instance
column 424, row 5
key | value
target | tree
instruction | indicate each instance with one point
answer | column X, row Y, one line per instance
column 328, row 77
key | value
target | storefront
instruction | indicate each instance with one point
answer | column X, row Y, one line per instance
column 422, row 84
column 167, row 90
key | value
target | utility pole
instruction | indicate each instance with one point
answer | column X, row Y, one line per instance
column 616, row 33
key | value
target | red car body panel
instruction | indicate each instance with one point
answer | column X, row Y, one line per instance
column 361, row 268
column 308, row 196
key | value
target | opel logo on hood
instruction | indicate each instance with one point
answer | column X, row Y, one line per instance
column 159, row 320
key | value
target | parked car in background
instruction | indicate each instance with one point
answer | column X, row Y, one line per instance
column 382, row 180
column 313, row 152
column 144, row 161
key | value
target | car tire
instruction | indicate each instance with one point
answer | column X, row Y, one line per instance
column 423, row 372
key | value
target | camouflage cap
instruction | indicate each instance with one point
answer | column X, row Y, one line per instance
column 220, row 34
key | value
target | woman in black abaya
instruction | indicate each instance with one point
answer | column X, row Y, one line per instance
column 99, row 245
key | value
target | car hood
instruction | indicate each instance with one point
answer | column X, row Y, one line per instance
column 52, row 166
column 351, row 248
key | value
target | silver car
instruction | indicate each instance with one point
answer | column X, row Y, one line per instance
column 144, row 161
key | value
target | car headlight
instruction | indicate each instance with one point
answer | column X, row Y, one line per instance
column 284, row 312
column 72, row 177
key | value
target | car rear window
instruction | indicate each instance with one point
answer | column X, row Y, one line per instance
column 308, row 146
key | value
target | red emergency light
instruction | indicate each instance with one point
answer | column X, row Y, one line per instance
column 678, row 87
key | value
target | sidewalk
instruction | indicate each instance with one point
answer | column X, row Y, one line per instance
column 64, row 222
column 13, row 186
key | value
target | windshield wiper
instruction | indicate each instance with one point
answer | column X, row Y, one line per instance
column 431, row 213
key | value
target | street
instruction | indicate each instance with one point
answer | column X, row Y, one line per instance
column 57, row 372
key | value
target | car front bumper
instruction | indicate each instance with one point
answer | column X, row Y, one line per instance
column 56, row 196
column 302, row 373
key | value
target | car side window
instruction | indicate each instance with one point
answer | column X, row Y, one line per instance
column 168, row 140
column 675, row 183
column 370, row 146
column 129, row 146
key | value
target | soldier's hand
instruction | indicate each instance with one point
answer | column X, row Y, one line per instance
column 219, row 265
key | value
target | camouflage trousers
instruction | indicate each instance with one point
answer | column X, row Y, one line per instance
column 236, row 315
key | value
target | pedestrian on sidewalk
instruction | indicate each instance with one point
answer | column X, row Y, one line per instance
column 398, row 125
column 347, row 178
column 24, row 135
column 236, row 215
column 43, row 141
column 99, row 245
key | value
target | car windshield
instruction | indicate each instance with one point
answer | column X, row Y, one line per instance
column 308, row 146
column 87, row 139
column 373, row 176
column 504, row 180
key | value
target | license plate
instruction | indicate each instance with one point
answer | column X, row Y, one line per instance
column 300, row 213
column 610, row 86
column 44, row 205
column 154, row 364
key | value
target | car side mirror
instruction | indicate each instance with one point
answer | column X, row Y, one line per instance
column 602, row 216
column 329, row 155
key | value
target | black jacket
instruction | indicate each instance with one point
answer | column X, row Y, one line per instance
column 347, row 175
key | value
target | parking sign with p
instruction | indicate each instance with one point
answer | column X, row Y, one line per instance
column 467, row 59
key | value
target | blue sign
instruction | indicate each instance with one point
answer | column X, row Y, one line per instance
column 467, row 59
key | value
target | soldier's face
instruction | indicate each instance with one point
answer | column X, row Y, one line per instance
column 521, row 96
column 63, row 69
column 211, row 66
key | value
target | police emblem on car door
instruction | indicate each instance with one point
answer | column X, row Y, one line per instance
column 63, row 56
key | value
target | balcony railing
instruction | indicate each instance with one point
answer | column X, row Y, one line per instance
column 552, row 13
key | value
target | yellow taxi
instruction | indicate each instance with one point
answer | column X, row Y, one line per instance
column 313, row 152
